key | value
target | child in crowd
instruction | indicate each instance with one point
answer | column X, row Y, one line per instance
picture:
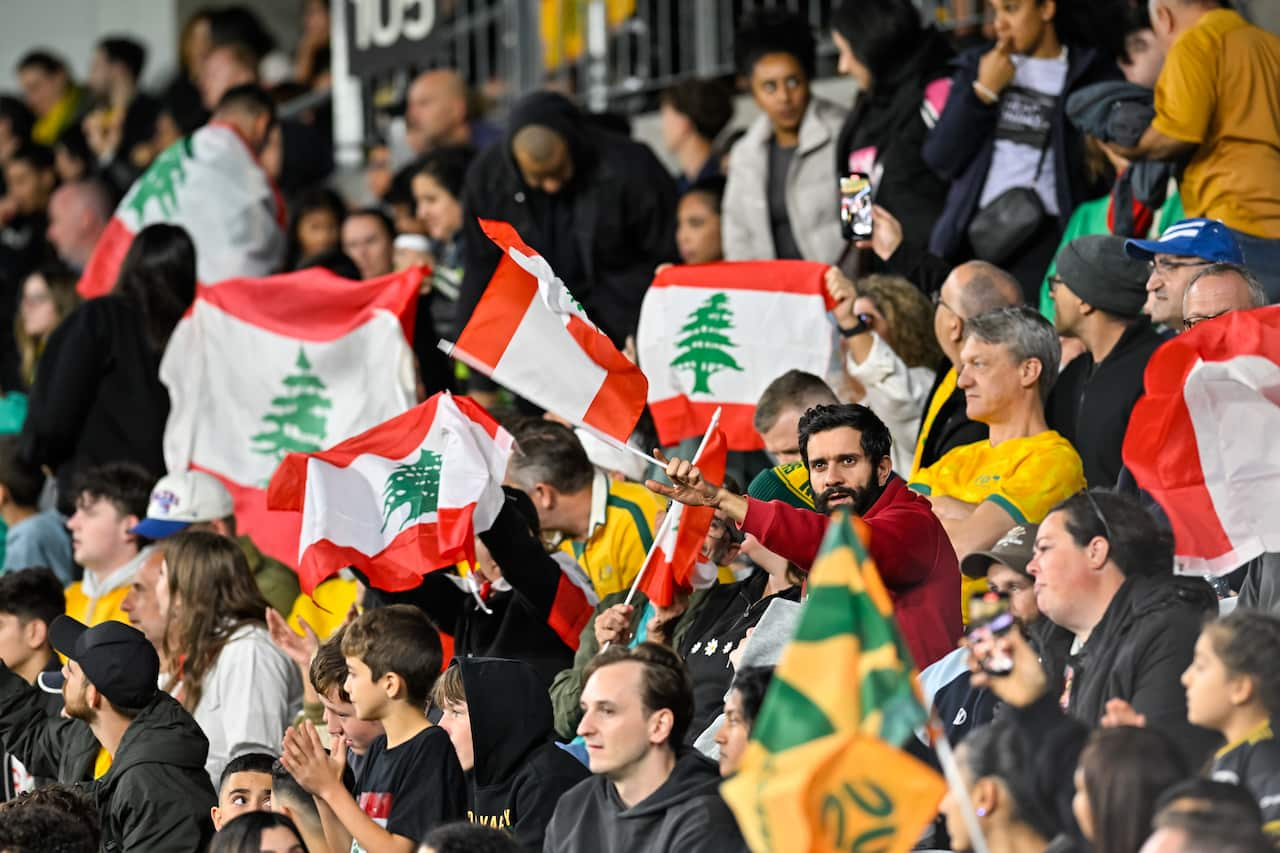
column 245, row 786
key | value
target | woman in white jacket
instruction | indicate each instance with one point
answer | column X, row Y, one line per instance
column 891, row 353
column 241, row 689
column 782, row 199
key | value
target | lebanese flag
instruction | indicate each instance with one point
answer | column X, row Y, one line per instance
column 1203, row 442
column 399, row 500
column 716, row 335
column 530, row 335
column 677, row 561
column 259, row 368
column 212, row 185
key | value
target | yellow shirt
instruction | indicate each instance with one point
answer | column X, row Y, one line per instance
column 622, row 523
column 941, row 394
column 1220, row 89
column 107, row 607
column 102, row 763
column 326, row 608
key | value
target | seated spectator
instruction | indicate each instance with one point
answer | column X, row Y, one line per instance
column 224, row 68
column 29, row 602
column 368, row 236
column 155, row 794
column 1204, row 832
column 607, row 525
column 50, row 92
column 78, row 214
column 1005, row 129
column 240, row 688
column 1232, row 689
column 142, row 603
column 1122, row 773
column 16, row 121
column 288, row 798
column 648, row 793
column 48, row 296
column 316, row 226
column 1102, row 570
column 1098, row 294
column 109, row 500
column 1216, row 102
column 78, row 818
column 846, row 450
column 699, row 222
column 782, row 199
column 328, row 676
column 29, row 180
column 994, row 763
column 194, row 500
column 741, row 708
column 438, row 112
column 1183, row 249
column 98, row 397
column 29, row 827
column 468, row 838
column 694, row 112
column 499, row 718
column 891, row 352
column 245, row 786
column 1219, row 289
column 778, row 412
column 34, row 538
column 969, row 290
column 72, row 158
column 123, row 117
column 258, row 832
column 410, row 780
column 1007, row 366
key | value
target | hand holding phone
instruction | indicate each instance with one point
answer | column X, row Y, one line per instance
column 855, row 206
column 989, row 618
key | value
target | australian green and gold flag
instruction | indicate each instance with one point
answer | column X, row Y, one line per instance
column 824, row 770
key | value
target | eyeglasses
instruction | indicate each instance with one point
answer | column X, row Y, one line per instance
column 937, row 300
column 1164, row 267
column 1196, row 319
column 1097, row 510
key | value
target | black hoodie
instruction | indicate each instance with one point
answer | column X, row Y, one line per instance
column 519, row 772
column 686, row 813
column 603, row 233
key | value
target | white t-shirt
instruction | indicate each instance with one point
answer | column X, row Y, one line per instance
column 1023, row 130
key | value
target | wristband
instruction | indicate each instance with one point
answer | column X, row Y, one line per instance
column 864, row 326
column 984, row 94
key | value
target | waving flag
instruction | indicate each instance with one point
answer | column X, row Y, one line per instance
column 824, row 771
column 260, row 368
column 1203, row 441
column 530, row 335
column 678, row 560
column 400, row 500
column 715, row 335
column 212, row 185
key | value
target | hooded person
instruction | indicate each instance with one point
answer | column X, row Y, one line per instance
column 598, row 206
column 498, row 716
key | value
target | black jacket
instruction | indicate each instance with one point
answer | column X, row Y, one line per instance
column 97, row 396
column 519, row 772
column 1137, row 653
column 685, row 815
column 960, row 148
column 1091, row 403
column 952, row 427
column 894, row 119
column 603, row 233
column 155, row 797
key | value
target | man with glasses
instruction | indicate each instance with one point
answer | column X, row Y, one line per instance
column 1220, row 289
column 1183, row 249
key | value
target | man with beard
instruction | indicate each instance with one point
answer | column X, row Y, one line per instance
column 144, row 753
column 846, row 449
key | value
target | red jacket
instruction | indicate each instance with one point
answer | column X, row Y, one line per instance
column 912, row 552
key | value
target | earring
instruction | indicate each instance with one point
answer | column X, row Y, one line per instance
column 982, row 812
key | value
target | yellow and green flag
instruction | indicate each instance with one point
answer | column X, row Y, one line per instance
column 824, row 770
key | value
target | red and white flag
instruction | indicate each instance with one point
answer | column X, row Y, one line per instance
column 677, row 561
column 716, row 335
column 399, row 500
column 292, row 363
column 530, row 335
column 1203, row 442
column 212, row 185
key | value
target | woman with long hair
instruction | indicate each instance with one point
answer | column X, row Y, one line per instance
column 1122, row 773
column 259, row 832
column 316, row 226
column 241, row 689
column 97, row 397
column 48, row 297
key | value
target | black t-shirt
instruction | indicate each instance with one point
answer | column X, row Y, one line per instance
column 411, row 789
column 784, row 239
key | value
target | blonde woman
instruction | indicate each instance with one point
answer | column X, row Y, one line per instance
column 48, row 296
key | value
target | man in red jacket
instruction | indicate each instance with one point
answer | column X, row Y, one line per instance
column 846, row 449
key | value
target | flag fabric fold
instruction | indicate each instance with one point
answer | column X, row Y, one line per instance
column 715, row 335
column 212, row 185
column 399, row 500
column 824, row 770
column 530, row 335
column 260, row 368
column 1202, row 441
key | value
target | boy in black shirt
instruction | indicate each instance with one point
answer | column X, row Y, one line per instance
column 410, row 780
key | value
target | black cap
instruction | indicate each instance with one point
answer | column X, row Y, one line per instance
column 1015, row 549
column 116, row 658
column 1096, row 269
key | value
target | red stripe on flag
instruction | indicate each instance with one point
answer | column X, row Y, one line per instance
column 804, row 278
column 499, row 313
column 621, row 399
column 570, row 612
column 99, row 276
column 678, row 418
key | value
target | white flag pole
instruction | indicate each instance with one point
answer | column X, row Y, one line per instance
column 955, row 782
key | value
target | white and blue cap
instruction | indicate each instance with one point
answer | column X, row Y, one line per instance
column 1207, row 239
column 181, row 500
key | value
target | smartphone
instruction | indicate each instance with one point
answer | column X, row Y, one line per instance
column 989, row 617
column 855, row 206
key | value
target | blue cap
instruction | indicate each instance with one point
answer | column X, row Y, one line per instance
column 1207, row 239
column 158, row 528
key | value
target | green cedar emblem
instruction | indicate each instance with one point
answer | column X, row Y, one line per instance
column 415, row 485
column 297, row 420
column 162, row 180
column 705, row 347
